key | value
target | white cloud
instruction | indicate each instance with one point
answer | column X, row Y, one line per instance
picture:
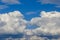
column 12, row 22
column 49, row 23
column 28, row 32
column 10, row 1
column 50, row 14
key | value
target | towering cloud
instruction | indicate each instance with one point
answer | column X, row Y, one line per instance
column 49, row 23
column 12, row 22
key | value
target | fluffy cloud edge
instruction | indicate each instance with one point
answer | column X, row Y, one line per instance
column 48, row 22
column 14, row 22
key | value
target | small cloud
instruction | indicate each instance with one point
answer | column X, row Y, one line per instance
column 31, row 12
column 44, row 1
column 3, row 6
column 57, row 6
column 55, row 2
column 10, row 2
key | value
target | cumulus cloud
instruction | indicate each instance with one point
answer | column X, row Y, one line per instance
column 49, row 23
column 10, row 1
column 12, row 22
column 50, row 14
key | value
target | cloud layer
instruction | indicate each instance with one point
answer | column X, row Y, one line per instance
column 48, row 25
column 44, row 27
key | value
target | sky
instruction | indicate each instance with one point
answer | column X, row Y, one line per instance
column 29, row 19
column 32, row 7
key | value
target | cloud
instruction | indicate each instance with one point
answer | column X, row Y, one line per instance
column 58, row 6
column 34, row 38
column 10, row 1
column 12, row 23
column 50, row 14
column 30, row 38
column 31, row 12
column 56, row 2
column 3, row 6
column 6, row 3
column 49, row 23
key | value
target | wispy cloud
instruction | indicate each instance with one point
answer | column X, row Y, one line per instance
column 10, row 2
column 31, row 12
column 56, row 2
column 3, row 7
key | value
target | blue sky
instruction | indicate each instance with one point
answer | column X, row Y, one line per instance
column 26, row 6
column 30, row 19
